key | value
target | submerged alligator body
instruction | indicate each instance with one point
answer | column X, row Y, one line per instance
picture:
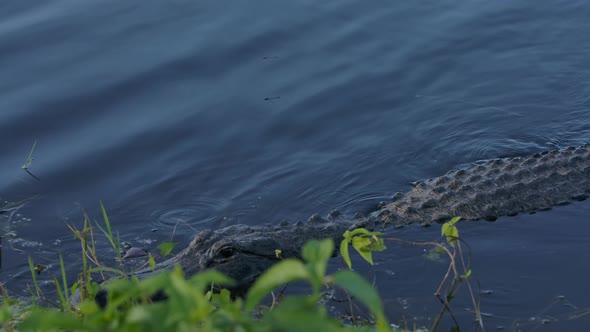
column 485, row 190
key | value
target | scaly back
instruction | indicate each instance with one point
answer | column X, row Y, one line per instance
column 497, row 187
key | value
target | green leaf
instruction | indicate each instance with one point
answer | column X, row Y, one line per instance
column 138, row 314
column 450, row 231
column 205, row 278
column 105, row 217
column 181, row 286
column 299, row 313
column 360, row 231
column 376, row 244
column 367, row 255
column 344, row 253
column 225, row 296
column 63, row 278
column 34, row 274
column 39, row 319
column 435, row 254
column 121, row 291
column 444, row 228
column 183, row 295
column 286, row 271
column 151, row 261
column 467, row 274
column 89, row 307
column 74, row 287
column 453, row 221
column 362, row 290
column 452, row 234
column 92, row 287
column 316, row 251
column 108, row 232
column 60, row 295
column 166, row 247
column 361, row 244
column 5, row 313
column 347, row 236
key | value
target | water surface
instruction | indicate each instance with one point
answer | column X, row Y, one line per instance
column 188, row 115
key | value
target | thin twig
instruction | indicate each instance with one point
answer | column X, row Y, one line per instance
column 478, row 316
column 456, row 282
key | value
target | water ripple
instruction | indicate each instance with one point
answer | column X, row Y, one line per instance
column 199, row 214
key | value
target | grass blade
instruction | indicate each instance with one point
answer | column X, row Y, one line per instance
column 34, row 274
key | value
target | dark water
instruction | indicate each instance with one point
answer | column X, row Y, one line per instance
column 184, row 115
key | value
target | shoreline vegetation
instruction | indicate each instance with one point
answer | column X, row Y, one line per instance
column 170, row 300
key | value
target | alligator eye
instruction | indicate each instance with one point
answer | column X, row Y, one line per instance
column 226, row 252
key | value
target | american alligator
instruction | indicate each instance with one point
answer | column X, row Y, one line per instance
column 485, row 190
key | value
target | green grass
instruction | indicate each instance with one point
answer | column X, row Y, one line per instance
column 29, row 161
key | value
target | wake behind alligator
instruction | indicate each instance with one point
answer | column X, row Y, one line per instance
column 485, row 190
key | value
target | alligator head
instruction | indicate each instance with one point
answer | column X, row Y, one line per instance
column 244, row 252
